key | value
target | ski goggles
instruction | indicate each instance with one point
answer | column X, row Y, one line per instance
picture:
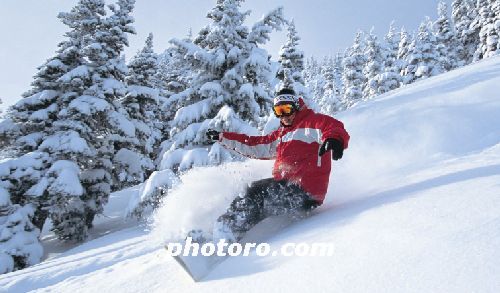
column 283, row 110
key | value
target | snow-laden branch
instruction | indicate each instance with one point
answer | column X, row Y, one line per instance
column 192, row 51
column 261, row 30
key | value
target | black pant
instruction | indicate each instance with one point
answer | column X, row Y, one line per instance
column 263, row 198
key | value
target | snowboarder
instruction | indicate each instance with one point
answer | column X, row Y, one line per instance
column 301, row 170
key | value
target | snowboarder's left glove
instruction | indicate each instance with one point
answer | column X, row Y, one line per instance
column 213, row 135
column 336, row 146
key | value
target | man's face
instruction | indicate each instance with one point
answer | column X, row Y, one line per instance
column 287, row 120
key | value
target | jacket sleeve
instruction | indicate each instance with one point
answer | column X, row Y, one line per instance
column 333, row 128
column 255, row 147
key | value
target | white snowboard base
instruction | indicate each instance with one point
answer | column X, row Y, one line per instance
column 200, row 266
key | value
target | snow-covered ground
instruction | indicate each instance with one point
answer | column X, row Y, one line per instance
column 414, row 206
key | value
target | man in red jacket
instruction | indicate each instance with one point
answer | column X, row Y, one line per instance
column 301, row 169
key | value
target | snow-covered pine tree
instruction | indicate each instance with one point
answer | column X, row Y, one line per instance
column 107, row 126
column 462, row 19
column 318, row 82
column 403, row 52
column 22, row 198
column 496, row 10
column 19, row 244
column 423, row 59
column 230, row 90
column 352, row 75
column 470, row 35
column 32, row 118
column 325, row 72
column 71, row 120
column 291, row 58
column 338, row 86
column 488, row 35
column 173, row 75
column 143, row 66
column 390, row 78
column 313, row 78
column 161, row 74
column 41, row 135
column 330, row 102
column 313, row 81
column 311, row 71
column 373, row 66
column 447, row 44
column 141, row 103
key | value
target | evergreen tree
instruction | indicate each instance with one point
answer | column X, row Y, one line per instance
column 373, row 66
column 319, row 82
column 447, row 44
column 43, row 130
column 470, row 36
column 352, row 75
column 423, row 59
column 20, row 179
column 32, row 119
column 141, row 103
column 329, row 102
column 461, row 14
column 143, row 66
column 291, row 58
column 488, row 35
column 338, row 86
column 403, row 53
column 495, row 6
column 310, row 71
column 173, row 75
column 311, row 75
column 390, row 78
column 19, row 244
column 231, row 87
column 71, row 122
column 103, row 123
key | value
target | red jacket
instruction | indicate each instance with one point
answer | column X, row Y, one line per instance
column 295, row 149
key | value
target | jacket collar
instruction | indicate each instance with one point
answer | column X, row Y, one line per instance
column 303, row 112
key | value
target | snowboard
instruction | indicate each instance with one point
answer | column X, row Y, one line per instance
column 200, row 266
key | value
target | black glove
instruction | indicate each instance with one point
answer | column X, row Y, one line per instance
column 213, row 135
column 336, row 146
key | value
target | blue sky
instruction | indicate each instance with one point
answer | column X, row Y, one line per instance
column 30, row 29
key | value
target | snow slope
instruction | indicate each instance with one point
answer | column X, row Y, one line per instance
column 414, row 206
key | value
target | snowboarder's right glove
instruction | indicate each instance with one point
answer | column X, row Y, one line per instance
column 213, row 135
column 336, row 146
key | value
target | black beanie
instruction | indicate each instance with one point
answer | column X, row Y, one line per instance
column 285, row 91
